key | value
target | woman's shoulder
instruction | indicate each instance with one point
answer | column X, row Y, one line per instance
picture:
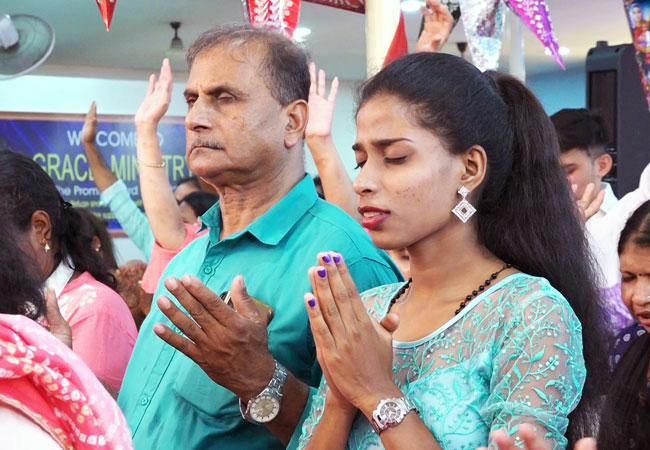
column 88, row 292
column 523, row 298
column 523, row 289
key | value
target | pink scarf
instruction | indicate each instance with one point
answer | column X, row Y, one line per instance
column 47, row 382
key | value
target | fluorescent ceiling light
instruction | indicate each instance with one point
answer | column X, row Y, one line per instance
column 300, row 33
column 412, row 5
column 562, row 51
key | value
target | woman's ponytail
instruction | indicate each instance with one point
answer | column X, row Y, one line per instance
column 538, row 229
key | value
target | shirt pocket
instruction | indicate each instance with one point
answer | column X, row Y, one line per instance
column 205, row 396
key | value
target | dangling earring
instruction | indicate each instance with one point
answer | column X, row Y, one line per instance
column 464, row 209
column 46, row 247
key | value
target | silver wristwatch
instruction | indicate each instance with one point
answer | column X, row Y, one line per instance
column 265, row 406
column 391, row 412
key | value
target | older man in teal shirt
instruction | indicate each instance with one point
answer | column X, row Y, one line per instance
column 247, row 113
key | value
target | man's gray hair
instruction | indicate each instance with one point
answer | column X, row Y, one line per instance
column 284, row 66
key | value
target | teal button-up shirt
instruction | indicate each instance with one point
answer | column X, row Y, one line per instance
column 169, row 402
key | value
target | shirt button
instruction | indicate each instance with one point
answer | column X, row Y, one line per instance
column 207, row 270
column 144, row 401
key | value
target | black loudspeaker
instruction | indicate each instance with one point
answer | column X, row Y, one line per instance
column 615, row 90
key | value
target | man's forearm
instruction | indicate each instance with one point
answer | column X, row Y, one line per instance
column 102, row 175
column 294, row 399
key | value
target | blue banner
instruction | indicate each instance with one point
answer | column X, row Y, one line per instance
column 56, row 146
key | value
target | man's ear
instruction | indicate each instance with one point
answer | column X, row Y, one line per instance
column 41, row 226
column 475, row 163
column 297, row 115
column 604, row 164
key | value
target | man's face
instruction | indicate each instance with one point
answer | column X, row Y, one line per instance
column 235, row 129
column 581, row 169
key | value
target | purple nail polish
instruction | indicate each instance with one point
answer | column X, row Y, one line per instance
column 337, row 259
column 311, row 302
column 322, row 273
column 327, row 259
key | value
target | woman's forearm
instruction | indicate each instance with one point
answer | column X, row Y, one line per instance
column 157, row 194
column 337, row 186
column 333, row 430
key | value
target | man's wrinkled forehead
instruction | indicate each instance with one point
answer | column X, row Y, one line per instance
column 240, row 49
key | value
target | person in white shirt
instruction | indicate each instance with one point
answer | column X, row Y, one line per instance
column 584, row 137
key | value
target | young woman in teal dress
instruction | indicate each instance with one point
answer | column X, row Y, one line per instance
column 499, row 324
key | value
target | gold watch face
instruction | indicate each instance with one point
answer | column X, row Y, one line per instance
column 265, row 409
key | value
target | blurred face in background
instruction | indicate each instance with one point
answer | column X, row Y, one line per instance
column 635, row 282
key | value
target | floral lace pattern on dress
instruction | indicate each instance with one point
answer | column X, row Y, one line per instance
column 513, row 355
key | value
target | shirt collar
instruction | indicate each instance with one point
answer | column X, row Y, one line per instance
column 60, row 277
column 272, row 226
column 610, row 199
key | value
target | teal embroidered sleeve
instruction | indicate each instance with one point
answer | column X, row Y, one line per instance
column 538, row 370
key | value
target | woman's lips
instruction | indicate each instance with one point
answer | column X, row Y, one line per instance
column 372, row 216
column 644, row 318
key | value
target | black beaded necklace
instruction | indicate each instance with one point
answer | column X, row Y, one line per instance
column 467, row 299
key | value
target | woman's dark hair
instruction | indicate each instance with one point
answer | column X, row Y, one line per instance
column 191, row 180
column 625, row 421
column 25, row 188
column 526, row 215
column 21, row 288
column 200, row 202
column 637, row 228
column 99, row 228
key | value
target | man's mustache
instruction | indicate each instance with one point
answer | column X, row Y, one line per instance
column 207, row 143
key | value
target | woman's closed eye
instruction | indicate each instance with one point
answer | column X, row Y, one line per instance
column 399, row 160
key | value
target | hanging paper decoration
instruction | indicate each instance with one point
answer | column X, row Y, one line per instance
column 399, row 46
column 281, row 15
column 483, row 21
column 106, row 8
column 358, row 6
column 638, row 14
column 535, row 15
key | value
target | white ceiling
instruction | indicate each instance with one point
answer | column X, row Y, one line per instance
column 140, row 33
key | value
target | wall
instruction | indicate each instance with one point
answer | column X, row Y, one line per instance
column 560, row 89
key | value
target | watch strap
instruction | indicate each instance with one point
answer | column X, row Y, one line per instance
column 273, row 389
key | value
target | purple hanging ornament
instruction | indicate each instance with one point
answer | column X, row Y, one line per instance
column 536, row 16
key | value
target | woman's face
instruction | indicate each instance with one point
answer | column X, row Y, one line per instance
column 408, row 180
column 637, row 14
column 635, row 283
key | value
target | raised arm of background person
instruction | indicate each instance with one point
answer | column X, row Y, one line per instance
column 438, row 23
column 113, row 192
column 102, row 175
column 157, row 193
column 318, row 135
column 612, row 224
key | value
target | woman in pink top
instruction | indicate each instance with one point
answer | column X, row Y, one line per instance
column 58, row 242
column 103, row 330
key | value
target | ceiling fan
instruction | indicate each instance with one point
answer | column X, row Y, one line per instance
column 25, row 43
